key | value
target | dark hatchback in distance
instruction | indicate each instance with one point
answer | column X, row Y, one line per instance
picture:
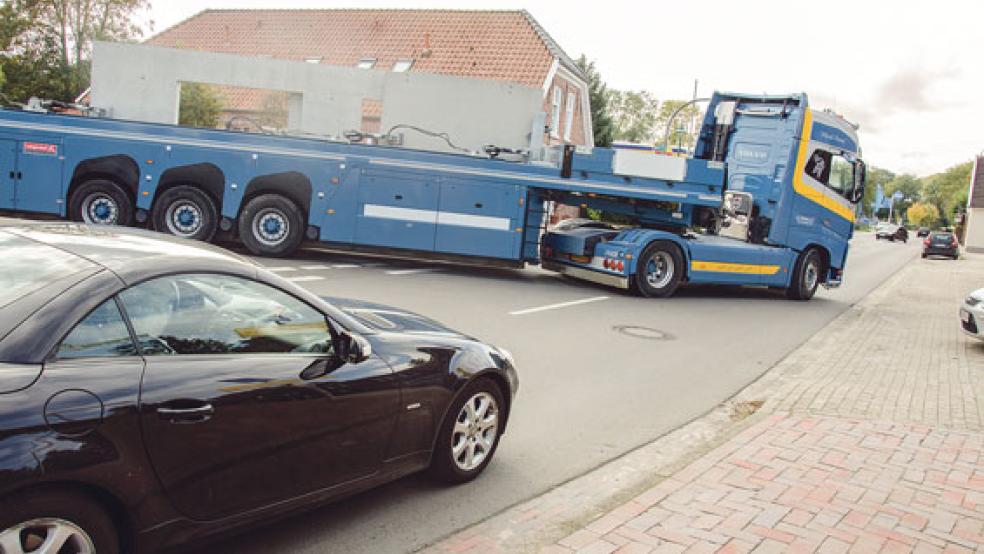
column 155, row 391
column 941, row 244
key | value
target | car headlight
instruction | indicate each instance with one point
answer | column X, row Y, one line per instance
column 971, row 301
column 507, row 355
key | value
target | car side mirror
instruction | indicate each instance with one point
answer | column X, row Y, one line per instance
column 357, row 348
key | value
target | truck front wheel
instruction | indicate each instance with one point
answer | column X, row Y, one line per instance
column 186, row 212
column 100, row 202
column 659, row 270
column 271, row 225
column 806, row 276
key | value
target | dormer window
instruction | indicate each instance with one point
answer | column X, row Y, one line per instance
column 366, row 63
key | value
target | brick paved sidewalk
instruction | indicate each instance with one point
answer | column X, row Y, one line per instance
column 868, row 438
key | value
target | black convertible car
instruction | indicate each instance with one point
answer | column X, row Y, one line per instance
column 154, row 391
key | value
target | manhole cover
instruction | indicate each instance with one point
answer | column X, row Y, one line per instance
column 638, row 332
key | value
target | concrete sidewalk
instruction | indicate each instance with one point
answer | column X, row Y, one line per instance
column 867, row 438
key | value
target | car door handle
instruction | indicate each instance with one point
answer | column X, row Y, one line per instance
column 196, row 414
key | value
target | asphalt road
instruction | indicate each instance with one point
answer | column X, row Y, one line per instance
column 588, row 392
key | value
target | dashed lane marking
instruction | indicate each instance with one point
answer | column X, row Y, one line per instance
column 408, row 271
column 315, row 267
column 305, row 278
column 282, row 269
column 559, row 305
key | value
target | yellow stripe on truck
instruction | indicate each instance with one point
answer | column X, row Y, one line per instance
column 729, row 267
column 806, row 190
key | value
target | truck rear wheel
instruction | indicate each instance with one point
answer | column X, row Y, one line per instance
column 187, row 212
column 100, row 202
column 271, row 225
column 806, row 276
column 659, row 270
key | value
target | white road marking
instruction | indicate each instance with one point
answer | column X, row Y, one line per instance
column 314, row 267
column 408, row 271
column 305, row 278
column 345, row 266
column 560, row 305
column 283, row 269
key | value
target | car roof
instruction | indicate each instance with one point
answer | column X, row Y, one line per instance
column 124, row 251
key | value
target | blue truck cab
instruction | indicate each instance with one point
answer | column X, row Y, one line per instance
column 767, row 199
column 787, row 180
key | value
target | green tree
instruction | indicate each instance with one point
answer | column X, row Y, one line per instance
column 200, row 105
column 911, row 188
column 684, row 126
column 601, row 120
column 922, row 214
column 948, row 190
column 634, row 114
column 48, row 43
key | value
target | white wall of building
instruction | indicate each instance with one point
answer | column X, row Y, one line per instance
column 140, row 82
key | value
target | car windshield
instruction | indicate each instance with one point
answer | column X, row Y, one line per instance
column 30, row 265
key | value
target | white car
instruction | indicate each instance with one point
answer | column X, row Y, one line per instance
column 972, row 314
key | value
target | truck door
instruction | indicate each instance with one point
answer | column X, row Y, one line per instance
column 39, row 177
column 8, row 174
column 397, row 209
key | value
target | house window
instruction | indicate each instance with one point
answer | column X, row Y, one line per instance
column 366, row 63
column 569, row 119
column 312, row 60
column 555, row 113
column 402, row 65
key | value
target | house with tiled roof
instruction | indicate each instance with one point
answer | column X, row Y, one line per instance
column 508, row 46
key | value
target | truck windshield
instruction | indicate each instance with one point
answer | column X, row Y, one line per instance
column 29, row 266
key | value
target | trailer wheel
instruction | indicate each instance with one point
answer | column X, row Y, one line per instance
column 659, row 270
column 806, row 276
column 271, row 225
column 187, row 212
column 100, row 202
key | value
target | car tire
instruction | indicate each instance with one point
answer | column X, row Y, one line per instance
column 187, row 212
column 659, row 270
column 806, row 276
column 100, row 202
column 466, row 433
column 31, row 518
column 271, row 225
column 924, row 255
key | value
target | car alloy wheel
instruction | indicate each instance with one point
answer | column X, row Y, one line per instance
column 46, row 535
column 475, row 431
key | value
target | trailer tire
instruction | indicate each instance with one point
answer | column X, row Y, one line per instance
column 187, row 212
column 806, row 276
column 100, row 202
column 659, row 270
column 271, row 225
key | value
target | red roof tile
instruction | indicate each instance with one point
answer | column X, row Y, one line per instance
column 499, row 45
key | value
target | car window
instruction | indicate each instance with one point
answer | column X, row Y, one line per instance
column 942, row 236
column 221, row 314
column 101, row 334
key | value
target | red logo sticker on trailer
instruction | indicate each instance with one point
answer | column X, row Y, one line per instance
column 41, row 148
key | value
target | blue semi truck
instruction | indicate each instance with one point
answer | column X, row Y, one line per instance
column 767, row 199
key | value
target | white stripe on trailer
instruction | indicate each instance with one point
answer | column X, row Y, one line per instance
column 560, row 305
column 439, row 218
column 305, row 278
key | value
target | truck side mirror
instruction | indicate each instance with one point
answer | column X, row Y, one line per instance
column 860, row 176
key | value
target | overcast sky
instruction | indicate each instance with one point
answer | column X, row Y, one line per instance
column 910, row 75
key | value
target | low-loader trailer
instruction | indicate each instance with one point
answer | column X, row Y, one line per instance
column 767, row 199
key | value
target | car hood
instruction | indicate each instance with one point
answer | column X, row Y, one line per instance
column 389, row 319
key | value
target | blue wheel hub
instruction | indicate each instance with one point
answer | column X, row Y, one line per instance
column 102, row 211
column 271, row 226
column 186, row 217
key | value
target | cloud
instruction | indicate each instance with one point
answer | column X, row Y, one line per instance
column 906, row 90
